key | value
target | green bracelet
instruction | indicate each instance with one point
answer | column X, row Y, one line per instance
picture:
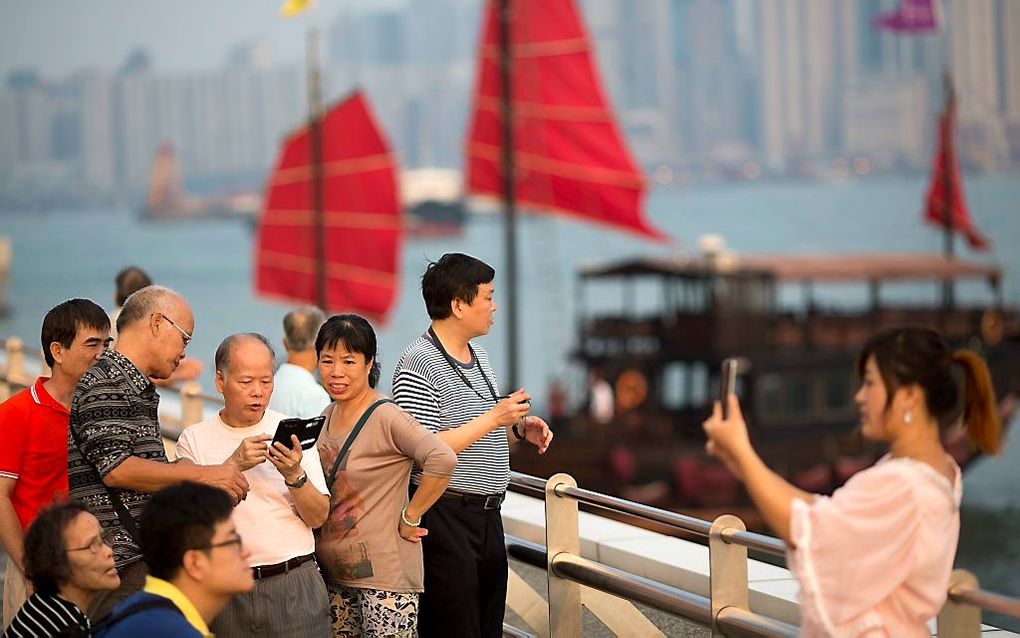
column 403, row 517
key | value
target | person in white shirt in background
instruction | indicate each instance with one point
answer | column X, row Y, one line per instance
column 287, row 498
column 296, row 391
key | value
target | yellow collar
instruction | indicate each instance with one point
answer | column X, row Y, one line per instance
column 166, row 589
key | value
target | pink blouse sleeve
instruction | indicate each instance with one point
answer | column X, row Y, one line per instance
column 850, row 551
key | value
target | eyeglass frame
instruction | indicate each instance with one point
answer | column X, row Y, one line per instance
column 105, row 538
column 236, row 540
column 185, row 335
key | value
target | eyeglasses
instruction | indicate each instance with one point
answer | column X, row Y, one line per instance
column 185, row 335
column 236, row 540
column 98, row 542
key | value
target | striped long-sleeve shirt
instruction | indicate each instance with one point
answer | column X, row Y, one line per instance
column 426, row 386
column 48, row 616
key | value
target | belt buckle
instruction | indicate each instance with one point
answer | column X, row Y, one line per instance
column 493, row 501
column 258, row 572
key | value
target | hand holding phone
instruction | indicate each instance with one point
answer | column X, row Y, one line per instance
column 727, row 384
column 306, row 430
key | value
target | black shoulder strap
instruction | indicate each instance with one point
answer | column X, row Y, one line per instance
column 350, row 440
column 126, row 520
column 156, row 603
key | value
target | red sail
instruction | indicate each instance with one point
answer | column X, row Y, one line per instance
column 569, row 155
column 947, row 185
column 362, row 217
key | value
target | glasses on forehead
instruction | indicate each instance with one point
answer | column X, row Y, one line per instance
column 185, row 335
column 98, row 542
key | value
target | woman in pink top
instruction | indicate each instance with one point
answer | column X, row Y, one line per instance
column 874, row 558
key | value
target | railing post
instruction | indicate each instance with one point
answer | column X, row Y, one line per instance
column 15, row 359
column 561, row 536
column 191, row 404
column 727, row 569
column 959, row 620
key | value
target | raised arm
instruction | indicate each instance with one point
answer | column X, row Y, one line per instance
column 771, row 494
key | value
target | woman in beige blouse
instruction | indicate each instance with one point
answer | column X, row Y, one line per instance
column 370, row 546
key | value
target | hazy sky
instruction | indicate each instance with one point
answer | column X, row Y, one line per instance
column 60, row 36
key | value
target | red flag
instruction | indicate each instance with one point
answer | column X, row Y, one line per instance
column 945, row 195
column 362, row 217
column 912, row 16
column 570, row 158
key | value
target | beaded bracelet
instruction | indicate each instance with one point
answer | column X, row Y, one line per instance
column 403, row 517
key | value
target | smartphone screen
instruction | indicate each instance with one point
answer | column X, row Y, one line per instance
column 727, row 383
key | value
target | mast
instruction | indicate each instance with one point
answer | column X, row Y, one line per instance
column 949, row 150
column 318, row 196
column 509, row 179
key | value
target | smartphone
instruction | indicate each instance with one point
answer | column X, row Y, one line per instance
column 307, row 431
column 727, row 383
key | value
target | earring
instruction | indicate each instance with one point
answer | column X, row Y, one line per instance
column 908, row 416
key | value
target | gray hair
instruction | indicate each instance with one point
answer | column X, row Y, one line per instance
column 223, row 352
column 300, row 327
column 142, row 303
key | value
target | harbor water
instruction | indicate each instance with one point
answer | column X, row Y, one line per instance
column 63, row 254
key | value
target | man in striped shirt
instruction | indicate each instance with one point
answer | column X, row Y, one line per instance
column 448, row 384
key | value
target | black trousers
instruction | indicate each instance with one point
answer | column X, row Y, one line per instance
column 465, row 572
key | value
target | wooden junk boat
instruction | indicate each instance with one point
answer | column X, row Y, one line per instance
column 798, row 378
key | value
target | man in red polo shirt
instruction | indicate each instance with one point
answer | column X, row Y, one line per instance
column 33, row 432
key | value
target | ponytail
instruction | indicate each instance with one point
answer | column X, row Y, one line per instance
column 980, row 417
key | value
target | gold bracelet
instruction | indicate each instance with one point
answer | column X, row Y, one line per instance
column 403, row 517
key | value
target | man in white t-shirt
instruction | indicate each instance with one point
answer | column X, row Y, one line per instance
column 296, row 391
column 287, row 498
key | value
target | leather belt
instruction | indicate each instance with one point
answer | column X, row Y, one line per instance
column 484, row 501
column 265, row 571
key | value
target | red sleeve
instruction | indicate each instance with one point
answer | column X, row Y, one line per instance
column 13, row 435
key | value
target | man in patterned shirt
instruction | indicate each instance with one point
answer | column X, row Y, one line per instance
column 445, row 381
column 115, row 454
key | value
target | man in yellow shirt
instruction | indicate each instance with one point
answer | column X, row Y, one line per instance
column 197, row 562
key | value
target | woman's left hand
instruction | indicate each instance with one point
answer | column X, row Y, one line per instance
column 411, row 534
column 287, row 460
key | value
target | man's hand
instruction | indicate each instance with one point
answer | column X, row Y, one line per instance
column 287, row 460
column 252, row 451
column 537, row 433
column 227, row 478
column 511, row 409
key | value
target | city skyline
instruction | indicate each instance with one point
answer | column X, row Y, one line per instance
column 703, row 89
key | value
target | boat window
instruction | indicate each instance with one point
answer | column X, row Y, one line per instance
column 673, row 391
column 692, row 297
column 770, row 394
column 798, row 395
column 837, row 391
column 697, row 385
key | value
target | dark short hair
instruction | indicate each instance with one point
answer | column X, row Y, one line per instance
column 46, row 564
column 62, row 323
column 354, row 333
column 129, row 281
column 178, row 519
column 226, row 348
column 300, row 327
column 454, row 276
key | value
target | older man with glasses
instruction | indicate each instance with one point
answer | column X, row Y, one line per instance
column 116, row 457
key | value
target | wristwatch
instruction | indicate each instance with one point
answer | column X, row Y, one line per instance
column 299, row 482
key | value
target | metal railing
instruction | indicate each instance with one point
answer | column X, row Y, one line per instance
column 726, row 610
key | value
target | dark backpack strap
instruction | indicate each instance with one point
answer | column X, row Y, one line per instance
column 350, row 440
column 156, row 603
column 126, row 520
